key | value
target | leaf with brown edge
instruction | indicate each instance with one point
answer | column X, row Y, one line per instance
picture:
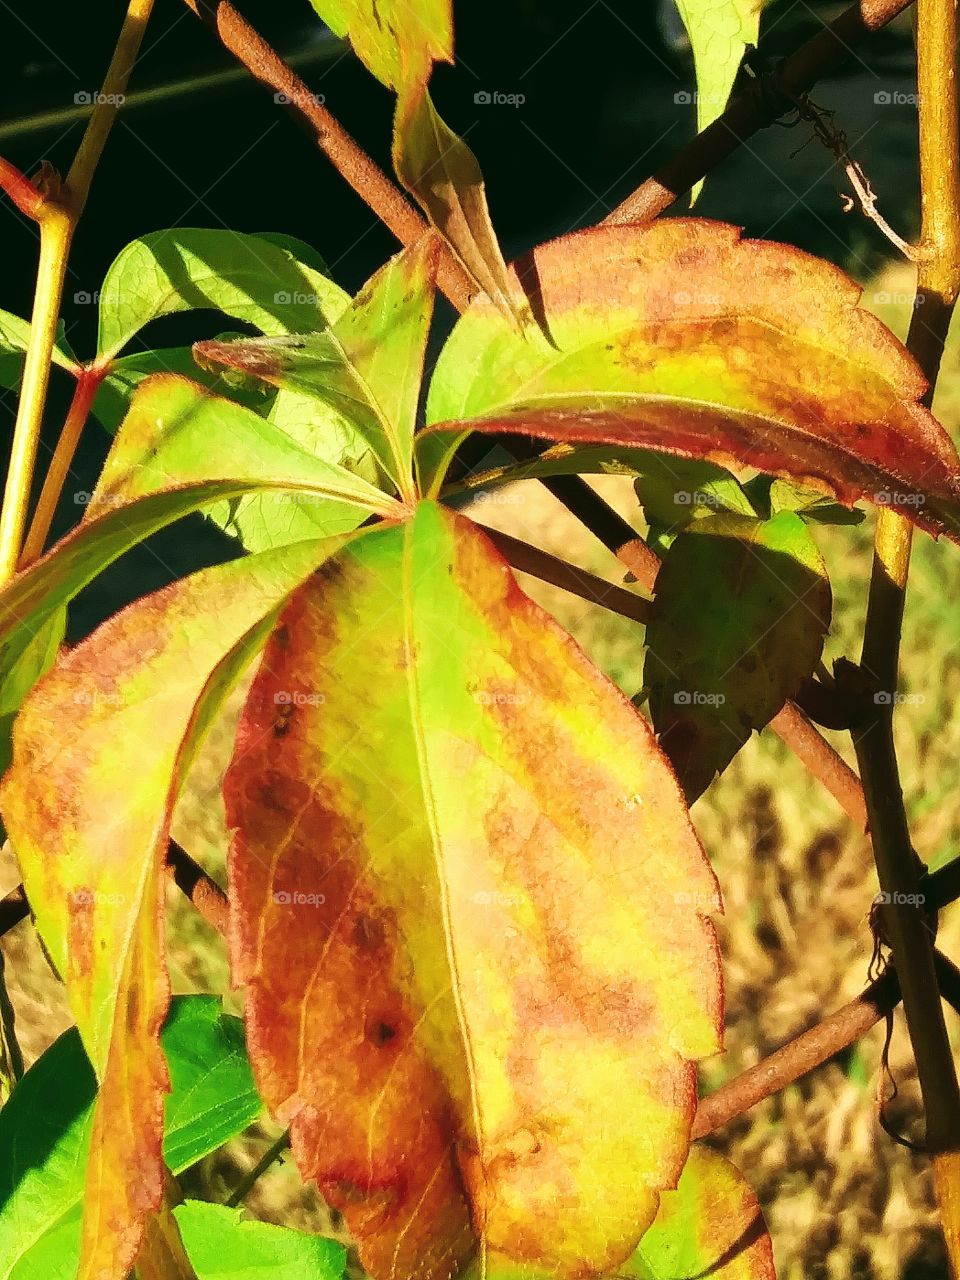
column 469, row 911
column 163, row 1255
column 682, row 337
column 710, row 1226
column 368, row 365
column 100, row 748
column 740, row 610
column 399, row 41
column 442, row 174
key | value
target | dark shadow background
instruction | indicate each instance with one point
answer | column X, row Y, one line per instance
column 601, row 84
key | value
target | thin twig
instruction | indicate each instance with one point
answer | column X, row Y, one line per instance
column 84, row 394
column 835, row 140
column 24, row 193
column 351, row 161
column 560, row 573
column 205, row 894
column 251, row 1177
column 802, row 1054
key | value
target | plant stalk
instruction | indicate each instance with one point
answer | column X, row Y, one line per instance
column 57, row 217
column 88, row 384
column 904, row 921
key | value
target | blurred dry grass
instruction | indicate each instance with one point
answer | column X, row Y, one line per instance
column 841, row 1198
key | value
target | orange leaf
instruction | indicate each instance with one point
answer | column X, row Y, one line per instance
column 469, row 913
column 100, row 748
column 680, row 336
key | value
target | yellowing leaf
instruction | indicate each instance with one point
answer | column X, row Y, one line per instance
column 469, row 915
column 162, row 1255
column 739, row 613
column 711, row 1226
column 100, row 748
column 719, row 32
column 368, row 365
column 442, row 174
column 680, row 336
column 399, row 41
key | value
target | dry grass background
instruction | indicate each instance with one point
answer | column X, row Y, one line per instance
column 841, row 1198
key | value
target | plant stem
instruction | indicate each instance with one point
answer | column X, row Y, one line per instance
column 810, row 1049
column 55, row 233
column 350, row 160
column 249, row 1180
column 20, row 189
column 11, row 1059
column 57, row 218
column 904, row 922
column 88, row 383
column 568, row 577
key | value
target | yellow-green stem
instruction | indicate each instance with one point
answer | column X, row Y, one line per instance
column 57, row 218
column 904, row 921
column 56, row 230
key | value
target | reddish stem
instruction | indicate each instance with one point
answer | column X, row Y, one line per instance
column 20, row 189
column 88, row 384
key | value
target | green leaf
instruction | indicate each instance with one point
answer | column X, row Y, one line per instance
column 184, row 268
column 264, row 520
column 45, row 1129
column 396, row 40
column 212, row 1095
column 719, row 32
column 739, row 614
column 224, row 1246
column 711, row 1226
column 127, row 372
column 14, row 336
column 177, row 434
column 675, row 491
column 302, row 251
column 178, row 451
column 367, row 366
column 784, row 495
